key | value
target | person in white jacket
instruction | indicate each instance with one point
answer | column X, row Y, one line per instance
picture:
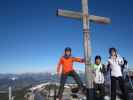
column 115, row 63
column 99, row 70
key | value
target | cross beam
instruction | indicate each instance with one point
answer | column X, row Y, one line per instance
column 79, row 15
column 86, row 18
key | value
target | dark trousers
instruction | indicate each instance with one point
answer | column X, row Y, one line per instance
column 99, row 91
column 63, row 81
column 121, row 84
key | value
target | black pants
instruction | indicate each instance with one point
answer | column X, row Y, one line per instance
column 63, row 81
column 121, row 84
column 99, row 91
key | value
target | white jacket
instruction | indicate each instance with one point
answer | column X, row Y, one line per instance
column 99, row 76
column 115, row 65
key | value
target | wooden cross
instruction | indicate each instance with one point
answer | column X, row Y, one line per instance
column 86, row 19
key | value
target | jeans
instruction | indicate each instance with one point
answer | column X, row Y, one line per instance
column 63, row 81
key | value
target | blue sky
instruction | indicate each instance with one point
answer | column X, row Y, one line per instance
column 32, row 37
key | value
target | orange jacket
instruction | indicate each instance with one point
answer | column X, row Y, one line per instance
column 67, row 64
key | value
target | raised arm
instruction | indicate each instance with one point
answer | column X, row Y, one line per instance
column 120, row 60
column 78, row 60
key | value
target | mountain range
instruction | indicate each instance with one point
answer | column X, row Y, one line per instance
column 19, row 81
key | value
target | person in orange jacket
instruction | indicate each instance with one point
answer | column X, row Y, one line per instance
column 65, row 69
